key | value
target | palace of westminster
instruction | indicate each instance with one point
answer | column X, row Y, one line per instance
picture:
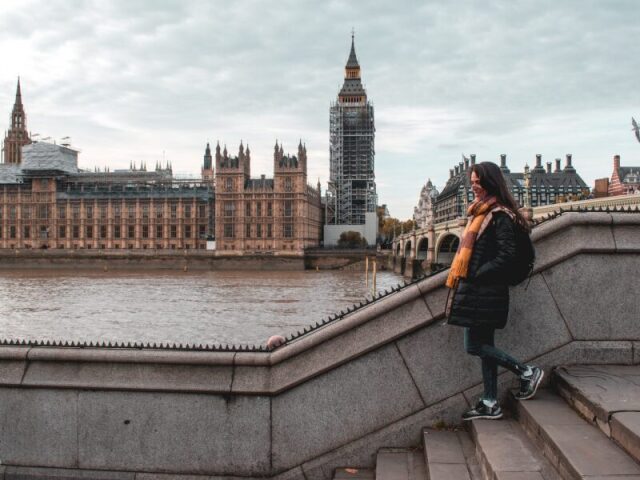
column 46, row 201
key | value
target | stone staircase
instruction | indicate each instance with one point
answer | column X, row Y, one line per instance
column 585, row 426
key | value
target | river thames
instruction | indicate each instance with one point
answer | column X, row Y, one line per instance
column 213, row 307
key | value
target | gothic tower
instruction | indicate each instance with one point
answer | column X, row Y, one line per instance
column 352, row 188
column 207, row 166
column 17, row 136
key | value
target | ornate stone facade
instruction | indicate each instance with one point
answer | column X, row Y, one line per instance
column 17, row 136
column 423, row 212
column 46, row 201
column 265, row 215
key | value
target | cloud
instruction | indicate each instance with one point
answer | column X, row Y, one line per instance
column 131, row 79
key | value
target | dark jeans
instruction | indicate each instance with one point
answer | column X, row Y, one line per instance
column 480, row 342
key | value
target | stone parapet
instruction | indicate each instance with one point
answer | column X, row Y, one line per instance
column 326, row 399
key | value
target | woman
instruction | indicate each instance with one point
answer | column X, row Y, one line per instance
column 480, row 292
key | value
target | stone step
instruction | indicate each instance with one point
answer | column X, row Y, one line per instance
column 576, row 448
column 505, row 452
column 450, row 455
column 400, row 464
column 607, row 395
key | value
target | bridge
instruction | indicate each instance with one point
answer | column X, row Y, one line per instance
column 417, row 251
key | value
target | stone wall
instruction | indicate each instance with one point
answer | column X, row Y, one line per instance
column 329, row 398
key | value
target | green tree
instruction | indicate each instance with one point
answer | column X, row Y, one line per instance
column 351, row 239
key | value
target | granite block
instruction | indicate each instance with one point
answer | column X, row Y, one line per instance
column 626, row 237
column 35, row 473
column 437, row 300
column 38, row 427
column 11, row 372
column 636, row 353
column 403, row 433
column 625, row 430
column 340, row 406
column 251, row 380
column 442, row 447
column 349, row 345
column 589, row 317
column 574, row 238
column 174, row 433
column 129, row 376
column 174, row 476
column 535, row 325
column 438, row 363
column 295, row 473
column 443, row 471
column 602, row 389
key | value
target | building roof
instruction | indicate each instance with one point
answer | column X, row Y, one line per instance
column 633, row 174
column 48, row 156
column 352, row 62
column 10, row 173
column 261, row 183
column 352, row 86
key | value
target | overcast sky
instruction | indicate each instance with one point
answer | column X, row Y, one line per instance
column 146, row 80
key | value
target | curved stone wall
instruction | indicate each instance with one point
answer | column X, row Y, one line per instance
column 329, row 398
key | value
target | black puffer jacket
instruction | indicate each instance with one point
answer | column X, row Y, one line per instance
column 482, row 300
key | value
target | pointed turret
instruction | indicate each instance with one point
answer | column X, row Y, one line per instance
column 352, row 91
column 17, row 136
column 207, row 158
column 18, row 94
column 352, row 62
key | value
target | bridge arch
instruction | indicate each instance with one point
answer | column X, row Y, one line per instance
column 447, row 247
column 423, row 247
column 407, row 249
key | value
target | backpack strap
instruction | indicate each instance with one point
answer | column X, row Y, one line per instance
column 489, row 218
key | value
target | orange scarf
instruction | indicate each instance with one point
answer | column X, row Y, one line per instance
column 477, row 212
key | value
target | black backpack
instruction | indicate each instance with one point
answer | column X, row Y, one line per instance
column 525, row 257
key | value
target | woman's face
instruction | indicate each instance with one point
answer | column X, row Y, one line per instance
column 478, row 191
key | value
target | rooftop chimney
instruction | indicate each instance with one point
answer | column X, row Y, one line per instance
column 568, row 166
column 466, row 163
column 538, row 160
column 451, row 173
column 503, row 160
column 548, row 167
column 616, row 162
column 456, row 169
column 473, row 158
column 558, row 169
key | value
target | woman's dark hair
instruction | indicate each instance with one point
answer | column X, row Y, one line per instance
column 492, row 180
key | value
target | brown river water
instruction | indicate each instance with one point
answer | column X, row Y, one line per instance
column 213, row 307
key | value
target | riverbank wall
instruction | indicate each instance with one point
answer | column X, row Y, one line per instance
column 316, row 259
column 331, row 396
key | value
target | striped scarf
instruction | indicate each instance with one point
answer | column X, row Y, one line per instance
column 477, row 212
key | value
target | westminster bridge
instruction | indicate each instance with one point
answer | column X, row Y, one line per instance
column 435, row 245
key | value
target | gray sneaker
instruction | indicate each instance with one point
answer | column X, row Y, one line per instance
column 481, row 410
column 529, row 385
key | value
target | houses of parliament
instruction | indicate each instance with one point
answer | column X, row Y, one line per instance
column 47, row 201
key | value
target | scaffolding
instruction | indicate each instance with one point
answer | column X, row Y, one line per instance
column 352, row 188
